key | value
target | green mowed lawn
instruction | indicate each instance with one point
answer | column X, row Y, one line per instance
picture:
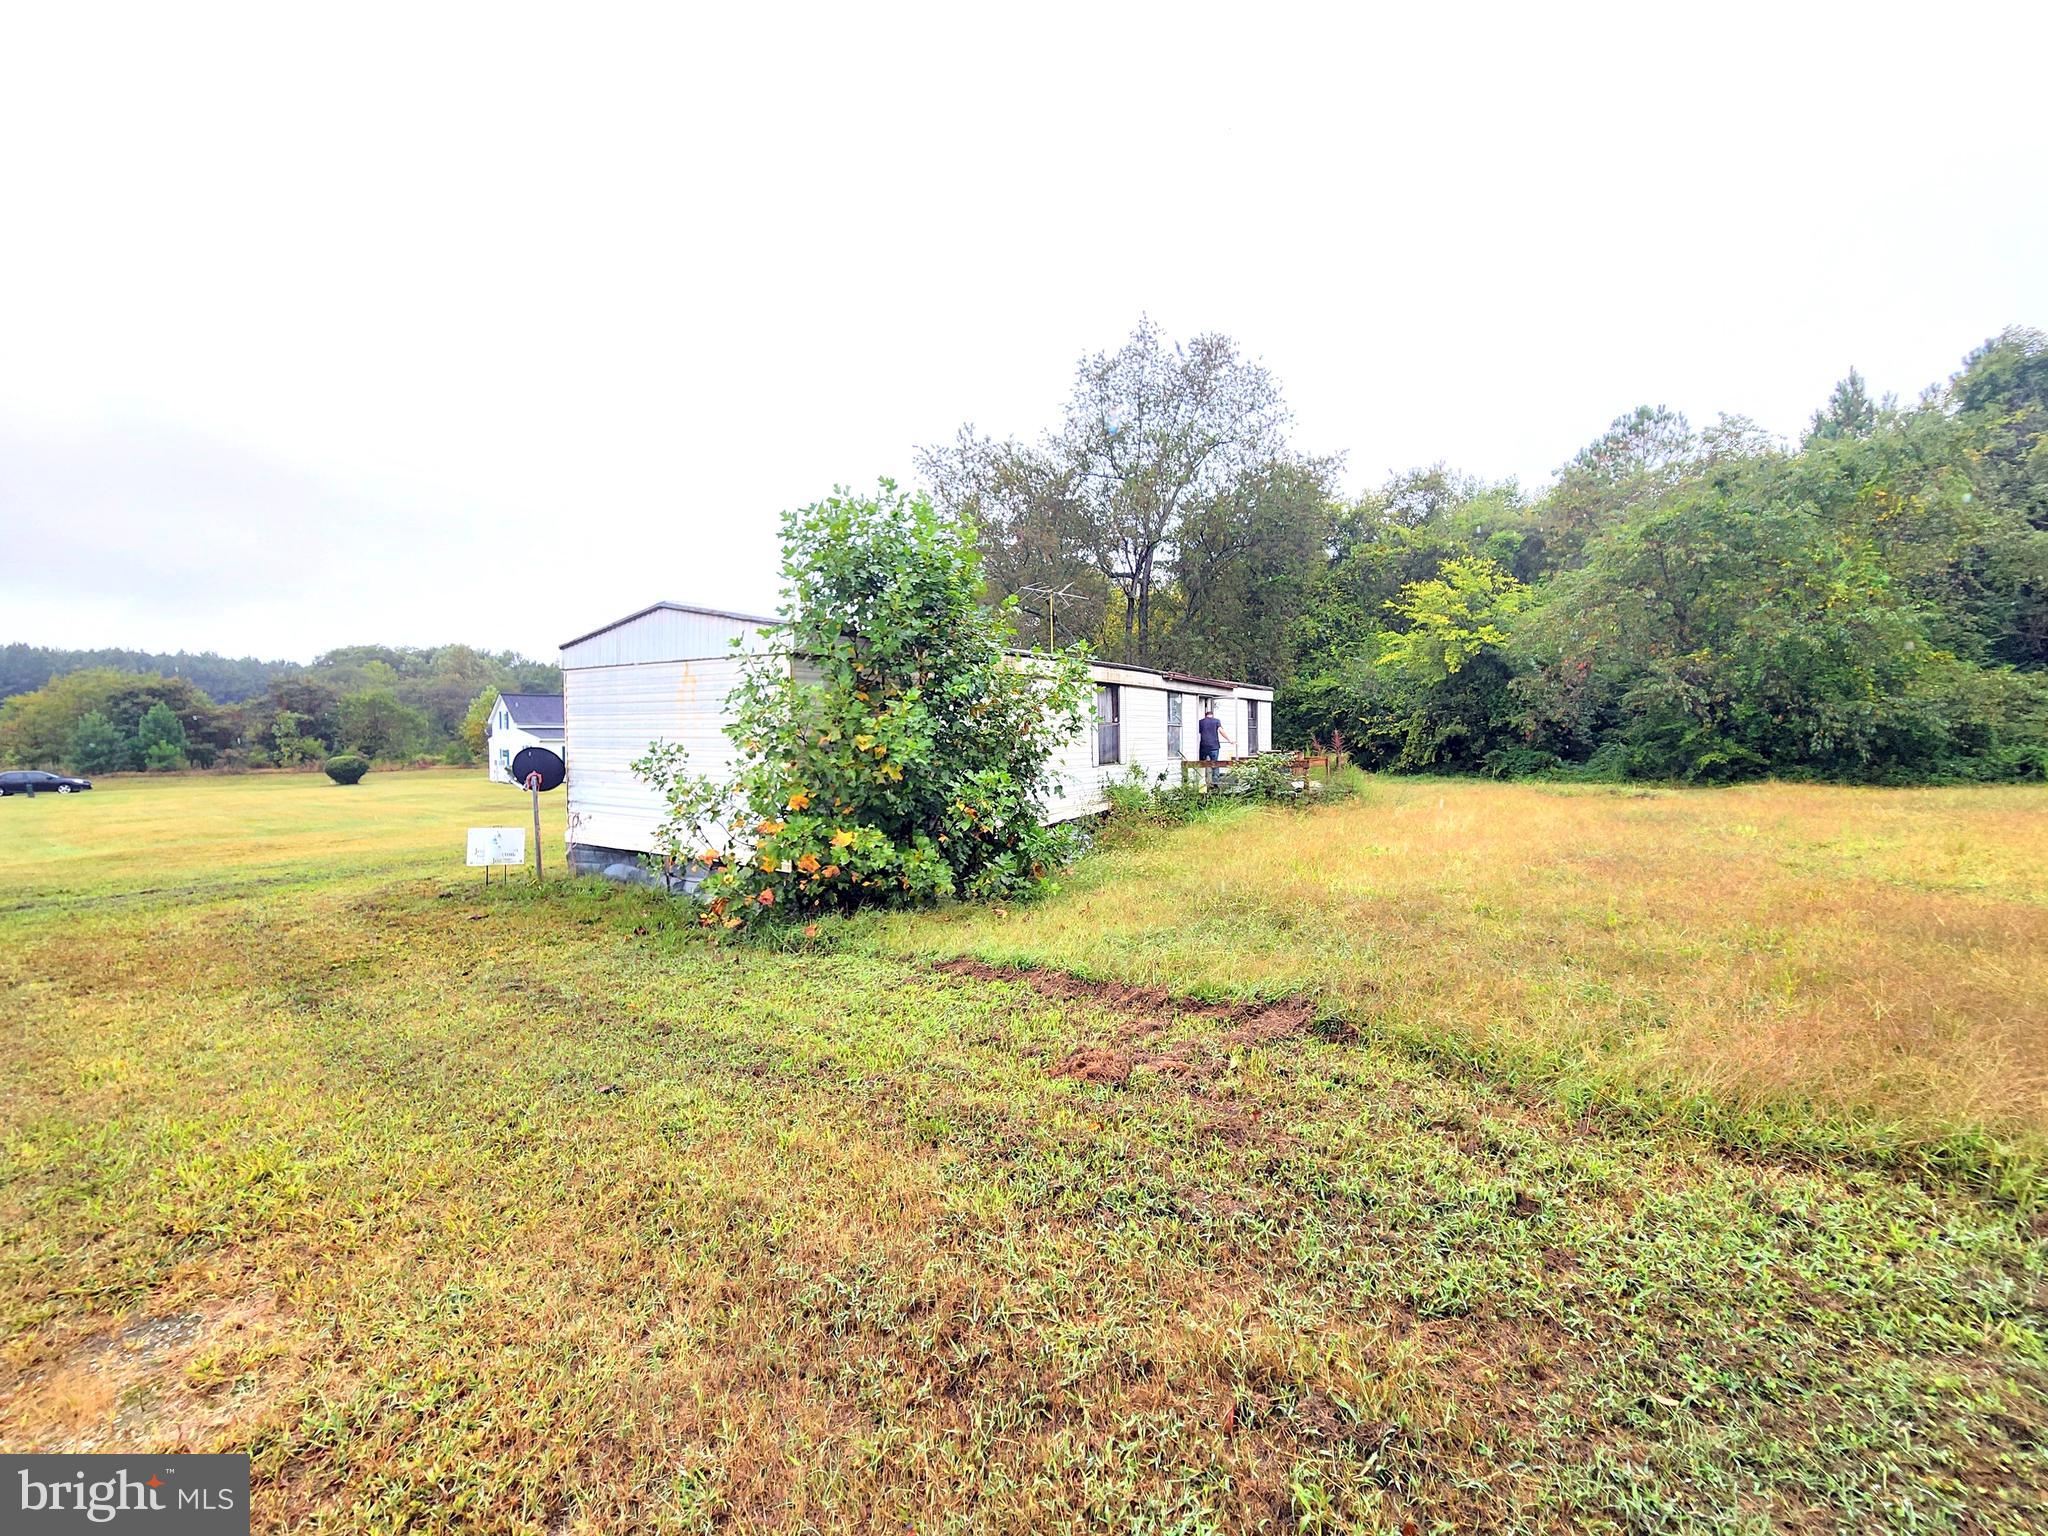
column 531, row 1211
column 195, row 835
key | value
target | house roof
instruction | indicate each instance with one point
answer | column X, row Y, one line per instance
column 1185, row 679
column 534, row 711
column 716, row 613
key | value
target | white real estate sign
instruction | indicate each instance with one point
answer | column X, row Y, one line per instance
column 497, row 845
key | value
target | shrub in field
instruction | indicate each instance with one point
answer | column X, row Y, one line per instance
column 890, row 750
column 1267, row 779
column 1136, row 801
column 348, row 768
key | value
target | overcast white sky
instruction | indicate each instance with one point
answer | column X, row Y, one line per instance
column 421, row 323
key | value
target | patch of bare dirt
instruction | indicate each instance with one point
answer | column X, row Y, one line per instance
column 136, row 1386
column 1148, row 1012
column 1094, row 1065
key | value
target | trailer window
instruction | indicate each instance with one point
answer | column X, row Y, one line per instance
column 1108, row 724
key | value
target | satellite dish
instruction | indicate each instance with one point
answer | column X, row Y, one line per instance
column 537, row 761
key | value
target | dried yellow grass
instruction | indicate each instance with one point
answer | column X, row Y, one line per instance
column 1870, row 950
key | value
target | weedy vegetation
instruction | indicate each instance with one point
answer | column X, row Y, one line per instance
column 1226, row 1189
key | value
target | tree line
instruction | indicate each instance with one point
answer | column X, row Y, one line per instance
column 390, row 703
column 224, row 679
column 1868, row 604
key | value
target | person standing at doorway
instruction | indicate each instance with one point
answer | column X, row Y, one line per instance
column 1212, row 739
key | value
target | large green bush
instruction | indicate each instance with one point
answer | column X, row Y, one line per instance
column 347, row 768
column 890, row 749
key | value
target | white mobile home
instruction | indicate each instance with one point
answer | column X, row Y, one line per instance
column 663, row 674
column 521, row 720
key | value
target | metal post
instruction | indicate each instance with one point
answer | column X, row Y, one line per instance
column 533, row 788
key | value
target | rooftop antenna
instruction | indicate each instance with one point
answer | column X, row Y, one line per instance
column 1052, row 597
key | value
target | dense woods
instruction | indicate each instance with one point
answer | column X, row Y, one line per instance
column 1703, row 603
column 108, row 712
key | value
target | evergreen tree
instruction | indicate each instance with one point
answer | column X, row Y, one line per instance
column 97, row 745
column 160, row 737
column 1850, row 412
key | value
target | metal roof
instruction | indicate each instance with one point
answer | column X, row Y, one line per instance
column 716, row 613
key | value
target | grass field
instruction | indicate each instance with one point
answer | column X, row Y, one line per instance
column 528, row 1211
column 194, row 835
column 1820, row 967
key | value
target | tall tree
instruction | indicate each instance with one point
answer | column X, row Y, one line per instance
column 160, row 737
column 1155, row 435
column 375, row 723
column 476, row 723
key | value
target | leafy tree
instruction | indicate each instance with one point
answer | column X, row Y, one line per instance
column 476, row 723
column 36, row 727
column 1452, row 618
column 888, row 749
column 1639, row 458
column 314, row 705
column 2002, row 392
column 291, row 743
column 160, row 738
column 97, row 745
column 1155, row 438
column 375, row 724
column 1246, row 568
column 1730, row 631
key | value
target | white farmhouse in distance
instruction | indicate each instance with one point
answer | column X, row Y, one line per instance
column 663, row 674
column 522, row 720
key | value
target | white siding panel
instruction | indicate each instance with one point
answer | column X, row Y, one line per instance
column 666, row 634
column 509, row 739
column 1143, row 744
column 613, row 714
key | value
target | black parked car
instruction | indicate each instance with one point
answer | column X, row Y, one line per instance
column 33, row 781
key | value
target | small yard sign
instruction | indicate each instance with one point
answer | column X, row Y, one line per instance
column 497, row 845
